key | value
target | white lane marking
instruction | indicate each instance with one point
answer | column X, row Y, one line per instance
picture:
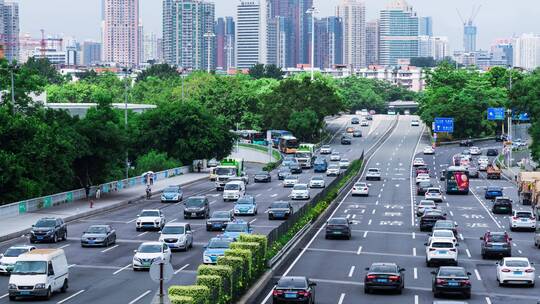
column 133, row 220
column 72, row 265
column 351, row 271
column 109, row 249
column 269, row 190
column 182, row 268
column 3, row 296
column 62, row 247
column 414, row 251
column 447, row 204
column 477, row 275
column 468, row 252
column 488, row 300
column 520, row 252
column 121, row 269
column 365, row 234
column 411, row 172
column 461, row 237
column 359, row 250
column 140, row 297
column 175, row 219
column 451, row 213
column 71, row 296
column 369, row 223
column 141, row 234
column 258, row 195
column 340, row 301
column 253, row 220
column 363, row 211
column 346, row 211
column 416, row 299
column 373, row 212
column 487, row 210
column 414, row 235
column 415, row 273
column 213, row 202
column 354, row 216
column 348, row 215
column 514, row 244
column 379, row 196
column 376, row 203
column 274, row 195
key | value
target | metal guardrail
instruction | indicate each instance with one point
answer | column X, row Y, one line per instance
column 34, row 204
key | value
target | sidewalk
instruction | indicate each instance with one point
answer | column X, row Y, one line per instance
column 17, row 226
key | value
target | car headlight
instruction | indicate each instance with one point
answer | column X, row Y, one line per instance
column 39, row 286
column 156, row 221
column 100, row 239
column 251, row 210
column 50, row 232
column 12, row 286
column 136, row 259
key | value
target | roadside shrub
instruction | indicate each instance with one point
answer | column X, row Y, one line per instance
column 239, row 273
column 199, row 294
column 226, row 274
column 181, row 300
column 214, row 284
column 256, row 255
column 246, row 257
column 256, row 238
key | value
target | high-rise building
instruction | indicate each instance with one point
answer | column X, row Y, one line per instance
column 328, row 42
column 121, row 32
column 425, row 26
column 225, row 31
column 469, row 37
column 249, row 34
column 433, row 46
column 398, row 32
column 91, row 53
column 151, row 48
column 277, row 41
column 424, row 46
column 141, row 42
column 527, row 51
column 27, row 47
column 298, row 28
column 502, row 51
column 372, row 42
column 353, row 16
column 187, row 29
column 9, row 31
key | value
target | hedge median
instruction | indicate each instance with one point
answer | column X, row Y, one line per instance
column 226, row 274
column 199, row 294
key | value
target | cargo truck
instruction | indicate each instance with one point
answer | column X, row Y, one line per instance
column 305, row 155
column 493, row 172
column 230, row 169
column 526, row 186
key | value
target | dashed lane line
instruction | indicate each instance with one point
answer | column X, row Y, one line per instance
column 351, row 272
column 340, row 301
column 488, row 300
column 468, row 252
column 182, row 268
column 359, row 251
column 122, row 269
column 365, row 234
column 140, row 297
column 109, row 249
column 416, row 300
column 478, row 277
column 62, row 247
column 414, row 251
column 369, row 222
column 71, row 296
column 415, row 273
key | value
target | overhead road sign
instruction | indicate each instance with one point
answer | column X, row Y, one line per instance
column 496, row 113
column 443, row 125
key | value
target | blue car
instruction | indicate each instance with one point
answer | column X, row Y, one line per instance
column 320, row 164
column 236, row 228
column 245, row 206
column 216, row 248
column 172, row 194
column 493, row 192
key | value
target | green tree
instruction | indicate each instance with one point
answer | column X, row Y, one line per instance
column 304, row 125
column 259, row 71
column 423, row 62
column 161, row 71
column 154, row 161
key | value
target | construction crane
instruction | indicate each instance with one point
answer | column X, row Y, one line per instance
column 474, row 14
column 44, row 43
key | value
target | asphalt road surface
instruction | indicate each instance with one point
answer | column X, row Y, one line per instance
column 386, row 230
column 104, row 275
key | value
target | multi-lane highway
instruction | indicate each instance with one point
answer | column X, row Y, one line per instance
column 104, row 275
column 385, row 229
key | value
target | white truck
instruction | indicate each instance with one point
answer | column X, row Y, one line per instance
column 305, row 155
column 230, row 169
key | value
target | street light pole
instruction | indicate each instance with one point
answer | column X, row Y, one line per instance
column 12, row 87
column 312, row 11
column 126, row 88
column 209, row 35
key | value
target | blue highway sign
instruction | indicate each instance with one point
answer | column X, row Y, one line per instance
column 443, row 124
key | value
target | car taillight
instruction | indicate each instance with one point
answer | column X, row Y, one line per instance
column 354, row 189
column 505, row 270
column 532, row 218
column 277, row 292
column 371, row 277
column 453, row 250
column 466, row 282
column 304, row 293
column 393, row 278
column 529, row 270
column 514, row 217
column 432, row 249
column 441, row 281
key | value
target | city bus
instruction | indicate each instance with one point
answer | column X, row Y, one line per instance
column 391, row 110
column 276, row 135
column 288, row 144
column 457, row 180
column 252, row 137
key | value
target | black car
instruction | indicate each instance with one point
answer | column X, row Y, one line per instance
column 338, row 227
column 502, row 205
column 384, row 276
column 263, row 177
column 496, row 244
column 451, row 280
column 430, row 217
column 196, row 207
column 355, row 121
column 280, row 210
column 98, row 235
column 48, row 229
column 492, row 152
column 346, row 140
column 466, row 143
column 422, row 187
column 357, row 133
column 493, row 192
column 501, row 137
column 283, row 172
column 295, row 168
column 219, row 220
column 446, row 225
column 294, row 290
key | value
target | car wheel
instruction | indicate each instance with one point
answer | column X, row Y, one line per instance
column 367, row 290
column 436, row 294
column 270, row 217
column 12, row 298
column 531, row 285
column 484, row 256
column 512, row 229
column 49, row 294
column 32, row 241
column 501, row 284
column 64, row 286
column 400, row 290
column 55, row 238
column 137, row 229
column 467, row 295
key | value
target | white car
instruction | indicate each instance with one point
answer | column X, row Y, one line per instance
column 483, row 159
column 148, row 253
column 434, row 194
column 364, row 123
column 373, row 173
column 8, row 259
column 415, row 123
column 344, row 163
column 290, row 181
column 299, row 191
column 360, row 188
column 317, row 181
column 234, row 190
column 418, row 162
column 521, row 219
column 429, row 150
column 177, row 236
column 475, row 151
column 444, row 234
column 335, row 156
column 441, row 251
column 333, row 170
column 326, row 149
column 422, row 177
column 424, row 205
column 515, row 271
column 150, row 219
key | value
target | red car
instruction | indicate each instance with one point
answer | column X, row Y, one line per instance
column 422, row 169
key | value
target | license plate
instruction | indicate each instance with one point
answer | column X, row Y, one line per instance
column 453, row 284
column 382, row 280
column 146, row 264
column 443, row 252
column 193, row 214
column 497, row 246
column 40, row 238
column 216, row 225
column 24, row 293
column 518, row 272
column 290, row 295
column 336, row 232
column 523, row 220
column 90, row 242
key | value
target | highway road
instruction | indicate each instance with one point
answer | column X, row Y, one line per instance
column 385, row 229
column 104, row 275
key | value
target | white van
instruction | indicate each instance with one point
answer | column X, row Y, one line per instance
column 39, row 273
column 234, row 190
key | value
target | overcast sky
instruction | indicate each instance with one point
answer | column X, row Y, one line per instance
column 497, row 18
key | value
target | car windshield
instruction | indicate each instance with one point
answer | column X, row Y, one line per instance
column 221, row 214
column 373, row 170
column 235, row 227
column 303, row 154
column 280, row 205
column 344, row 160
column 14, row 252
column 338, row 221
column 452, row 272
column 444, row 225
column 360, row 185
column 425, row 184
column 517, row 263
column 335, row 153
column 325, row 147
column 244, row 201
column 171, row 189
column 442, row 245
column 173, row 230
column 289, row 283
column 291, row 178
column 232, row 187
column 196, row 202
column 434, row 191
column 46, row 223
column 30, row 267
column 383, row 268
column 150, row 213
column 317, row 178
column 504, row 201
column 226, row 171
column 218, row 243
column 498, row 238
column 262, row 173
column 97, row 230
column 443, row 233
column 333, row 167
column 147, row 248
column 300, row 187
column 427, row 204
column 523, row 214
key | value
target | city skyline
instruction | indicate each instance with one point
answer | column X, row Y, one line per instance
column 520, row 17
